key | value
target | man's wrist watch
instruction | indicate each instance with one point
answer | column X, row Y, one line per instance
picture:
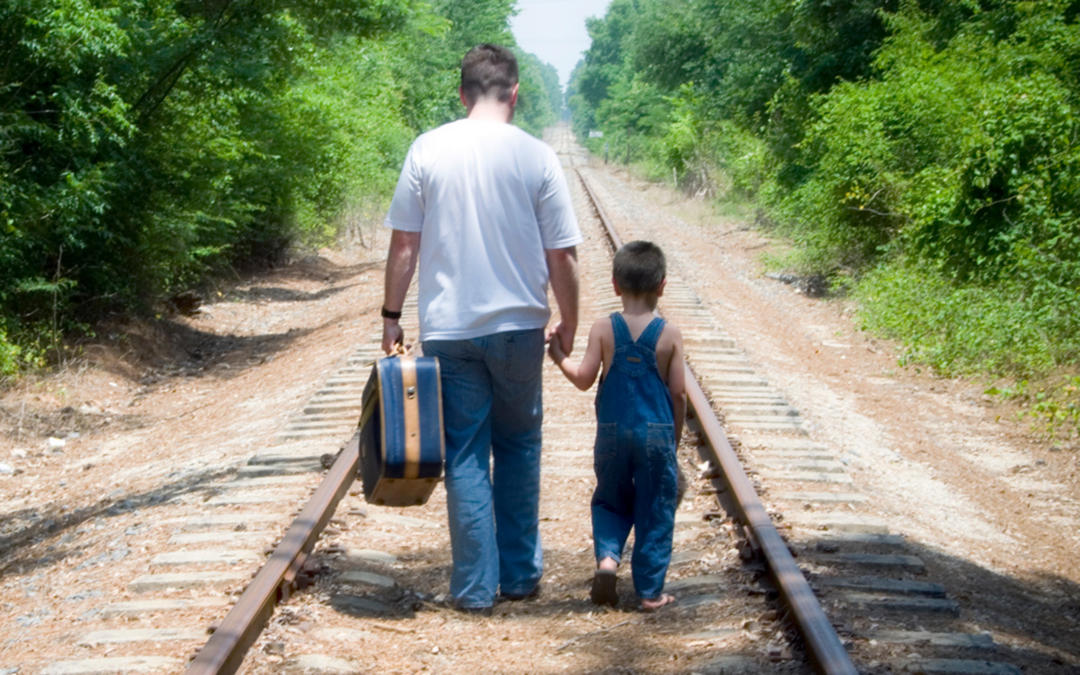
column 387, row 314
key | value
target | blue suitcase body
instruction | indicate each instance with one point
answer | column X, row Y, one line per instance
column 401, row 431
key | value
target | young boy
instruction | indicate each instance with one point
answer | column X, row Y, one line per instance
column 640, row 408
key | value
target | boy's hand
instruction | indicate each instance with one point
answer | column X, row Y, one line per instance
column 582, row 374
column 563, row 333
column 555, row 350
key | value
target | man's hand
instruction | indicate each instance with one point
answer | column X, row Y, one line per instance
column 400, row 264
column 563, row 334
column 555, row 350
column 563, row 272
column 392, row 335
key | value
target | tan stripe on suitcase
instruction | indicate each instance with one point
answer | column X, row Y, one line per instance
column 412, row 418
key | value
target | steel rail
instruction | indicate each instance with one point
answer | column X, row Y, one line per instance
column 224, row 652
column 826, row 651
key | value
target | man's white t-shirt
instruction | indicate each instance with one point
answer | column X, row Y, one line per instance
column 488, row 199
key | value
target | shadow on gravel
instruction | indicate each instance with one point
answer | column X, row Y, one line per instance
column 22, row 530
column 172, row 346
column 309, row 269
column 180, row 349
column 277, row 294
column 202, row 354
column 168, row 351
column 317, row 268
column 1035, row 622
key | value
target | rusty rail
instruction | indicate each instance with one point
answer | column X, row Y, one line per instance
column 826, row 651
column 224, row 652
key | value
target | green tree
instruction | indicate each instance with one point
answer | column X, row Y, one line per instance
column 603, row 63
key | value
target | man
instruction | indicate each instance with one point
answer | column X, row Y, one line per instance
column 485, row 210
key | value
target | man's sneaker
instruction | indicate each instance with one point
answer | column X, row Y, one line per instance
column 515, row 597
column 603, row 588
column 475, row 611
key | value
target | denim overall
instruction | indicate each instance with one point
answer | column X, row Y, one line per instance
column 634, row 460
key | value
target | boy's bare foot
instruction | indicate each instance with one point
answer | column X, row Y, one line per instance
column 657, row 603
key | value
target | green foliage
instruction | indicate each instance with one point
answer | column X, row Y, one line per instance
column 1053, row 407
column 954, row 156
column 681, row 143
column 145, row 144
column 714, row 158
column 538, row 94
column 964, row 329
column 549, row 75
column 9, row 357
column 603, row 64
column 959, row 165
column 924, row 150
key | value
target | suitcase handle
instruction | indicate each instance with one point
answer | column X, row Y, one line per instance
column 401, row 349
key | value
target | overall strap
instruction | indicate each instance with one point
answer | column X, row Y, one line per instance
column 651, row 335
column 621, row 330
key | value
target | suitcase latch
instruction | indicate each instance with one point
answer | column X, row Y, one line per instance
column 410, row 392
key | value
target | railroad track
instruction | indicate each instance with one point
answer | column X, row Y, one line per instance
column 874, row 590
column 358, row 585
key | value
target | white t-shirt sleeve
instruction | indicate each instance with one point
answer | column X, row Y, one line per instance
column 554, row 210
column 407, row 207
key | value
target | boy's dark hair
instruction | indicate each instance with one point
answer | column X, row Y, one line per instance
column 639, row 268
column 488, row 71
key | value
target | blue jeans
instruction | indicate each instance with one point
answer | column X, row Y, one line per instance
column 492, row 408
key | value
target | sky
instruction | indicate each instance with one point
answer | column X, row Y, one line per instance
column 554, row 30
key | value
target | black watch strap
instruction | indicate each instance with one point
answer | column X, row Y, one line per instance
column 387, row 314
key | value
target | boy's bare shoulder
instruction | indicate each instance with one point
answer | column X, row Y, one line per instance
column 602, row 326
column 670, row 339
column 671, row 332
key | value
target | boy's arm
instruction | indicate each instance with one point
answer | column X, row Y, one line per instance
column 583, row 374
column 676, row 381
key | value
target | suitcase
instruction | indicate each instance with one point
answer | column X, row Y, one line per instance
column 401, row 431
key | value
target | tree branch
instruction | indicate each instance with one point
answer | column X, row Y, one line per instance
column 878, row 213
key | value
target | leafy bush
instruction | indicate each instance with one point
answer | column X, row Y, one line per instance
column 964, row 329
column 925, row 150
column 9, row 357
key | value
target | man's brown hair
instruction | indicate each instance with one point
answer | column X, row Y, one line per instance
column 488, row 71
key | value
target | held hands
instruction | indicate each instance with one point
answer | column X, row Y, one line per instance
column 555, row 350
column 563, row 334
